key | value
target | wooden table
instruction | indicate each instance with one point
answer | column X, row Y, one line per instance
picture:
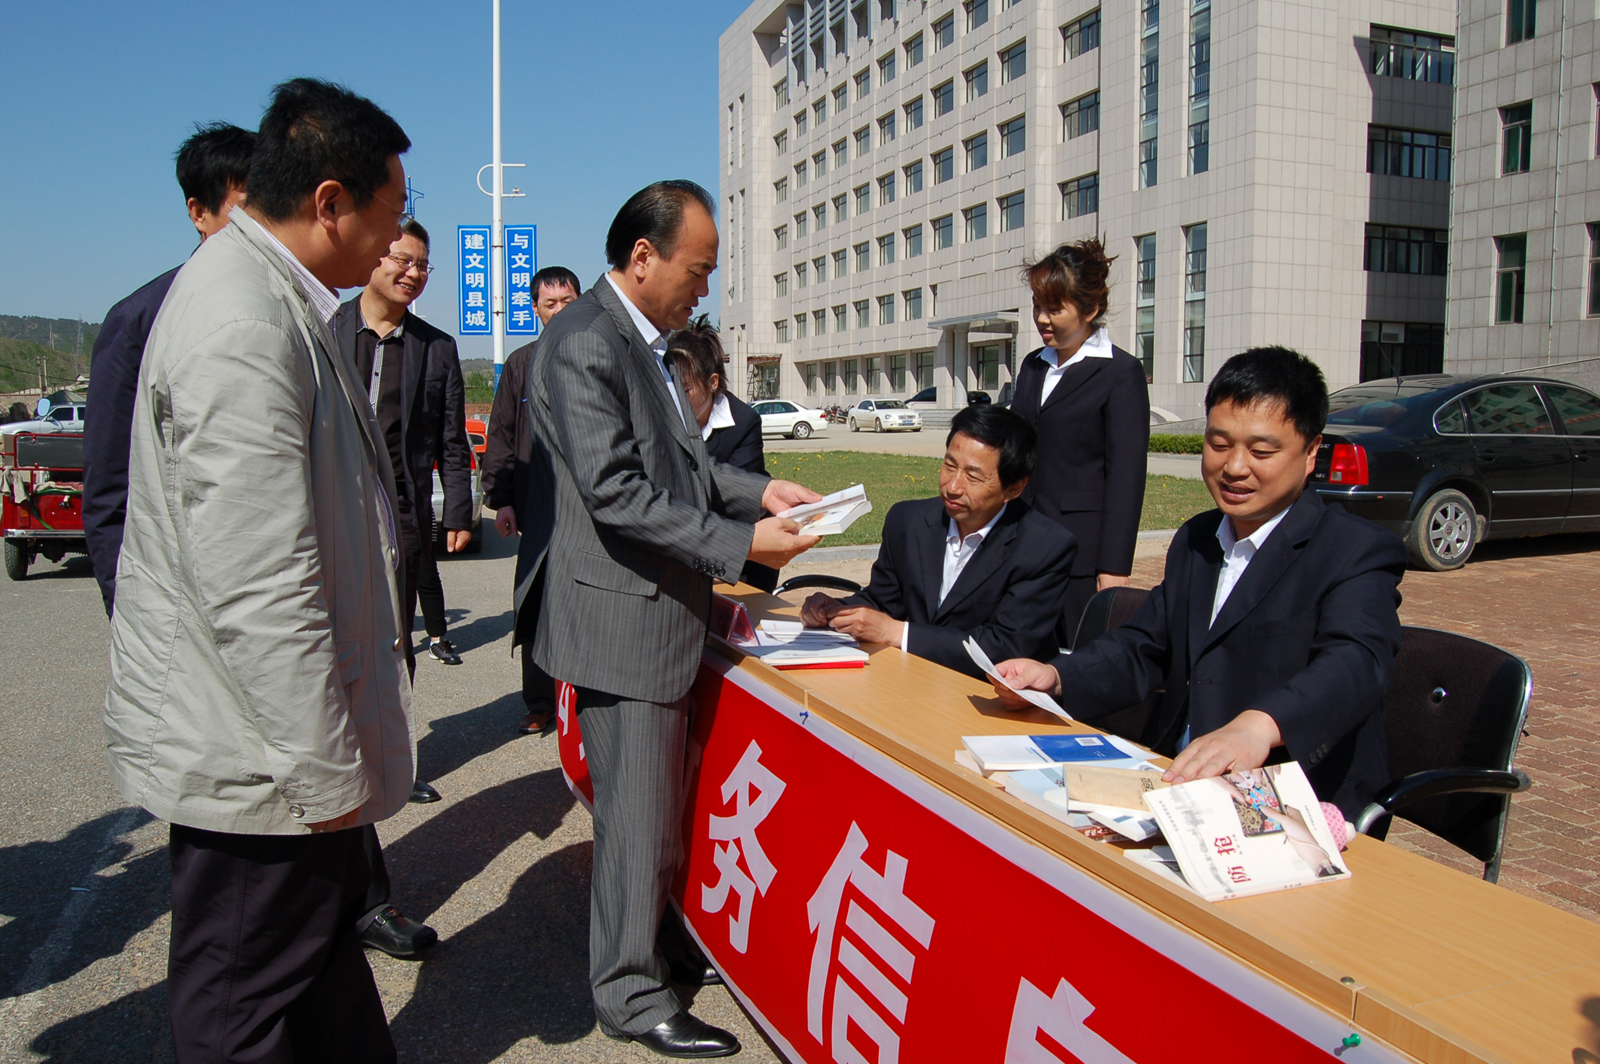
column 1441, row 966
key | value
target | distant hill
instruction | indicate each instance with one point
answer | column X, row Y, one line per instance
column 61, row 334
column 19, row 364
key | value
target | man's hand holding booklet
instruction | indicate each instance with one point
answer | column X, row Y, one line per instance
column 831, row 514
column 1036, row 698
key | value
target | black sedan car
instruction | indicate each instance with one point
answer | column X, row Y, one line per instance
column 1448, row 462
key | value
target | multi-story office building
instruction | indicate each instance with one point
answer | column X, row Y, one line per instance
column 1271, row 172
column 1525, row 220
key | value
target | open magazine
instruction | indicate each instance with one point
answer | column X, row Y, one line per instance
column 830, row 514
column 1245, row 833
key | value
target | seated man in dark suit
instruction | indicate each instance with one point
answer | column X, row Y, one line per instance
column 976, row 561
column 1274, row 628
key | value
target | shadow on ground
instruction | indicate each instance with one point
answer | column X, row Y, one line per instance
column 455, row 740
column 113, row 1032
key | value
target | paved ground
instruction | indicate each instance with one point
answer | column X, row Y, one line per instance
column 501, row 866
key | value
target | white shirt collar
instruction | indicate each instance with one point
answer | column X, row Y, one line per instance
column 1098, row 345
column 721, row 416
column 654, row 338
column 1229, row 541
column 953, row 531
column 323, row 299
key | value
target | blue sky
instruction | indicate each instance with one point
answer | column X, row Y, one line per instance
column 598, row 100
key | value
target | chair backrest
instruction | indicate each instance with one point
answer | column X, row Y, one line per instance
column 1455, row 702
column 1108, row 609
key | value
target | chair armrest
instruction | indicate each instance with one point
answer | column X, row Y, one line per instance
column 832, row 583
column 1437, row 782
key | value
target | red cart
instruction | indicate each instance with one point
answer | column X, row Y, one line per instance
column 41, row 478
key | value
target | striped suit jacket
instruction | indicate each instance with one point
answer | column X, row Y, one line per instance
column 626, row 519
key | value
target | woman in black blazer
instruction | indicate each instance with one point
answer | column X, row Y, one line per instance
column 730, row 428
column 1090, row 404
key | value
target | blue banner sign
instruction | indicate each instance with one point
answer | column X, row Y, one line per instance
column 522, row 262
column 472, row 245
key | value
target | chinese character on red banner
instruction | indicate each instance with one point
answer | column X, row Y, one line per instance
column 738, row 833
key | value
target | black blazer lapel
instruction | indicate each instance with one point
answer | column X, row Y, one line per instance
column 926, row 548
column 1074, row 378
column 1268, row 566
column 991, row 555
column 413, row 366
column 1205, row 564
column 1030, row 378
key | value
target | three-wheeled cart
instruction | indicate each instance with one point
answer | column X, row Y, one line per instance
column 41, row 479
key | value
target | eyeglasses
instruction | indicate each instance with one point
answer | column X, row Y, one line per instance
column 422, row 265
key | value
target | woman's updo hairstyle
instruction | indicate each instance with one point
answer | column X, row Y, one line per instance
column 696, row 350
column 1073, row 273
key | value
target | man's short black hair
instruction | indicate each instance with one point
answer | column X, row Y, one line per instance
column 556, row 277
column 214, row 161
column 316, row 131
column 1003, row 430
column 1274, row 375
column 412, row 227
column 654, row 213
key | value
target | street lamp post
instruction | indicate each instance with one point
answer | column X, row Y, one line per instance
column 497, row 236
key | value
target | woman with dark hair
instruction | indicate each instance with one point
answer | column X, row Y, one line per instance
column 1090, row 404
column 731, row 430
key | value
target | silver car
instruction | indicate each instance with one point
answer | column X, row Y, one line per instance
column 883, row 415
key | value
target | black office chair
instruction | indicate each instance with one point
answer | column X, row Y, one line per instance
column 1108, row 609
column 832, row 583
column 1453, row 714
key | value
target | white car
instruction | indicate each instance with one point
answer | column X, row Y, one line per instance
column 779, row 417
column 883, row 415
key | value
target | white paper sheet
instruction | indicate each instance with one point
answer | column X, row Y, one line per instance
column 1037, row 698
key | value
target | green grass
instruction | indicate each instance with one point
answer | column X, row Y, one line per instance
column 891, row 478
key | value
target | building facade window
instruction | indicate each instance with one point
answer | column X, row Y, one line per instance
column 780, row 284
column 1144, row 297
column 944, row 165
column 886, row 129
column 1080, row 35
column 886, row 189
column 1014, row 62
column 863, row 84
column 1594, row 269
column 820, row 264
column 924, row 370
column 863, row 141
column 1397, row 249
column 897, row 373
column 913, row 177
column 977, row 81
column 1013, row 137
column 780, row 189
column 986, row 366
column 914, row 51
column 802, row 275
column 1012, row 210
column 812, row 378
column 819, row 111
column 1080, row 116
column 914, row 114
column 1199, row 86
column 944, row 33
column 1080, row 196
column 841, row 97
column 913, row 304
column 800, row 169
column 977, row 151
column 913, row 237
column 886, row 69
column 1401, row 349
column 800, row 321
column 874, row 375
column 1516, row 138
column 800, row 221
column 977, row 222
column 863, row 313
column 1408, row 153
column 863, row 199
column 1149, row 89
column 1400, row 53
column 886, row 310
column 863, row 257
column 839, row 319
column 840, row 260
column 780, row 331
column 800, row 123
column 1194, row 304
column 944, row 99
column 886, row 250
column 840, row 208
column 841, row 152
column 780, row 141
column 819, row 162
column 780, row 95
column 830, row 377
column 819, row 215
column 944, row 232
column 819, row 319
column 977, row 13
column 1520, row 22
column 1510, row 277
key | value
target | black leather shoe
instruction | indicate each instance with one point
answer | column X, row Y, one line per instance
column 693, row 973
column 397, row 936
column 423, row 793
column 686, row 1038
column 443, row 650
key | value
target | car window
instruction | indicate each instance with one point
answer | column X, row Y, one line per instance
column 1378, row 406
column 1508, row 410
column 1449, row 419
column 866, row 404
column 1580, row 411
column 891, row 404
column 762, row 408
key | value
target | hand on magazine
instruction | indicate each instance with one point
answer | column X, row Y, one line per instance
column 1242, row 743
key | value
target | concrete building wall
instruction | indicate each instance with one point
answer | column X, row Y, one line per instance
column 1285, row 201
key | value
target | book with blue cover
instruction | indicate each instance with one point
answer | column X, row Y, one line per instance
column 1010, row 753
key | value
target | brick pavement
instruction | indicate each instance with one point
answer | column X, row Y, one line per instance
column 1540, row 599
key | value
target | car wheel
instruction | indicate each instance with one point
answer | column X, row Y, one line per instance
column 853, row 426
column 1445, row 532
column 877, row 424
column 802, row 430
column 917, row 429
column 16, row 560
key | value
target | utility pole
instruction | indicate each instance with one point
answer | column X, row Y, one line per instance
column 497, row 233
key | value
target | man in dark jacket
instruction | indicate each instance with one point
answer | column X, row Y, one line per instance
column 1274, row 630
column 213, row 166
column 505, row 466
column 975, row 562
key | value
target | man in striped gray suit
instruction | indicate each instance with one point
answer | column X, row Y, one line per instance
column 627, row 523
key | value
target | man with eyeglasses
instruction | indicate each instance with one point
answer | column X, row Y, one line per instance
column 412, row 377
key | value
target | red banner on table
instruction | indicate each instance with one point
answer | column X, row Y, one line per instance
column 864, row 916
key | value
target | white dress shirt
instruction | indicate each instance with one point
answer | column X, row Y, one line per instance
column 324, row 300
column 958, row 551
column 1098, row 345
column 655, row 339
column 721, row 416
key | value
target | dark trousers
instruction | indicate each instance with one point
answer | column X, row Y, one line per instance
column 635, row 752
column 538, row 689
column 264, row 965
column 413, row 547
column 430, row 591
column 377, row 897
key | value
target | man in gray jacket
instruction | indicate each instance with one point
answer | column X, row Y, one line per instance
column 626, row 523
column 258, row 699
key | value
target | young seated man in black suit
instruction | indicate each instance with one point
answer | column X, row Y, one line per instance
column 1274, row 629
column 976, row 561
